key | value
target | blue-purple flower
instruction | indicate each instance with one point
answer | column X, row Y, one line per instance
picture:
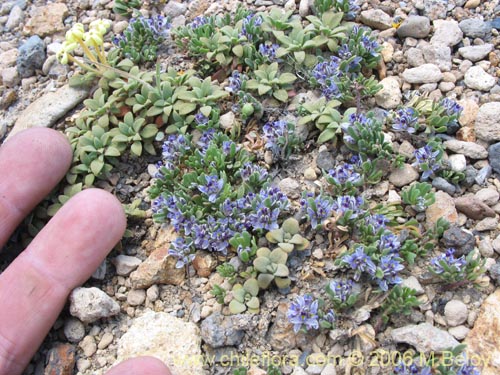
column 250, row 169
column 181, row 249
column 318, row 210
column 275, row 133
column 349, row 203
column 212, row 187
column 198, row 22
column 390, row 267
column 360, row 262
column 449, row 259
column 341, row 289
column 405, row 119
column 304, row 313
column 268, row 51
column 427, row 160
column 389, row 242
column 251, row 21
column 345, row 173
column 235, row 82
column 201, row 119
column 411, row 369
column 452, row 108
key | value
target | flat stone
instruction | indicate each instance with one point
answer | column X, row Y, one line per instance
column 494, row 157
column 88, row 345
column 424, row 337
column 415, row 57
column 389, row 97
column 158, row 268
column 427, row 73
column 105, row 341
column 489, row 223
column 476, row 78
column 415, row 27
column 488, row 196
column 8, row 58
column 486, row 124
column 45, row 111
column 438, row 54
column 462, row 240
column 16, row 16
column 474, row 27
column 470, row 149
column 443, row 207
column 10, row 77
column 125, row 264
column 473, row 208
column 91, row 304
column 290, row 187
column 31, row 56
column 413, row 283
column 61, row 360
column 218, row 330
column 46, row 20
column 376, row 18
column 483, row 341
column 447, row 32
column 469, row 113
column 136, row 297
column 170, row 339
column 400, row 177
column 476, row 53
column 459, row 332
column 204, row 263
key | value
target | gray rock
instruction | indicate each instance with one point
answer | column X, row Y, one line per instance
column 10, row 77
column 170, row 339
column 290, row 187
column 460, row 239
column 474, row 28
column 74, row 330
column 325, row 160
column 91, row 304
column 415, row 27
column 88, row 346
column 227, row 120
column 443, row 207
column 15, row 18
column 413, row 283
column 494, row 157
column 455, row 312
column 45, row 111
column 125, row 264
column 475, row 53
column 31, row 56
column 415, row 57
column 376, row 18
column 483, row 174
column 136, row 297
column 106, row 339
column 489, row 223
column 174, row 9
column 441, row 184
column 476, row 78
column 459, row 332
column 218, row 330
column 424, row 337
column 447, row 32
column 427, row 73
column 488, row 196
column 403, row 176
column 487, row 128
column 473, row 207
column 438, row 54
column 470, row 176
column 457, row 162
column 470, row 149
column 435, row 9
column 100, row 272
column 304, row 7
column 389, row 97
column 495, row 272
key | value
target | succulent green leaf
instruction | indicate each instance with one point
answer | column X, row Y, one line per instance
column 112, row 151
column 261, row 264
column 287, row 78
column 278, row 256
column 281, row 271
column 282, row 283
column 300, row 56
column 264, row 89
column 251, row 286
column 96, row 166
column 291, row 226
column 286, row 247
column 149, row 131
column 236, row 307
column 263, row 252
column 136, row 148
column 265, row 280
column 281, row 95
column 275, row 235
column 253, row 304
column 238, row 50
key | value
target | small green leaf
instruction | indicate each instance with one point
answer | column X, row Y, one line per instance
column 281, row 95
column 112, row 151
column 136, row 148
column 238, row 50
column 96, row 166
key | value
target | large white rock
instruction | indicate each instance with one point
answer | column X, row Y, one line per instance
column 447, row 32
column 486, row 124
column 389, row 97
column 427, row 73
column 476, row 78
column 170, row 339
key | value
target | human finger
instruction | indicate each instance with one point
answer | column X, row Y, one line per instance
column 140, row 366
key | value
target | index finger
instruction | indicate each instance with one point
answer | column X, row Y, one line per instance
column 31, row 164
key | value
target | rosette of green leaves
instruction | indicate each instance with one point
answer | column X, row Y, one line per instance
column 68, row 192
column 368, row 139
column 126, row 8
column 93, row 152
column 245, row 297
column 436, row 119
column 202, row 92
column 280, row 20
column 419, row 196
column 245, row 244
column 370, row 57
column 133, row 131
column 324, row 115
column 474, row 267
column 268, row 80
column 287, row 237
column 401, row 300
column 296, row 43
column 271, row 266
column 327, row 29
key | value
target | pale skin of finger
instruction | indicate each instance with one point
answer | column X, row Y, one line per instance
column 140, row 366
column 31, row 164
column 34, row 288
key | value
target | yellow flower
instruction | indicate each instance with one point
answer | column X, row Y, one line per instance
column 75, row 33
column 62, row 56
column 100, row 26
column 93, row 38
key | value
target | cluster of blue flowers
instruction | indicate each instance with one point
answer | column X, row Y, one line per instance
column 269, row 51
column 341, row 289
column 172, row 150
column 412, row 369
column 198, row 22
column 326, row 73
column 405, row 119
column 276, row 135
column 452, row 108
column 157, row 26
column 356, row 121
column 235, row 82
column 345, row 173
column 304, row 313
column 250, row 23
column 450, row 260
column 427, row 159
